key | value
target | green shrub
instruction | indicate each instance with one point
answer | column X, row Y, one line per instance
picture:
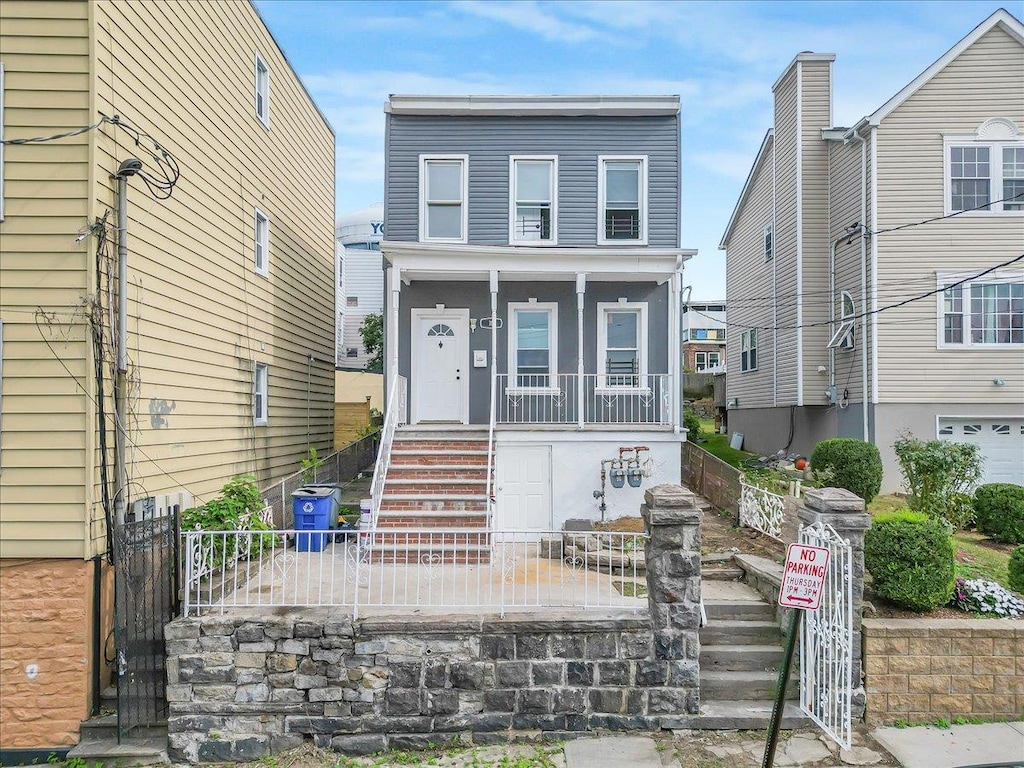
column 1016, row 570
column 910, row 558
column 691, row 423
column 845, row 462
column 938, row 476
column 999, row 508
column 237, row 509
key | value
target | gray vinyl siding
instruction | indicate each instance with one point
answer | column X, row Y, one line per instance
column 985, row 81
column 364, row 281
column 815, row 108
column 786, row 137
column 476, row 297
column 748, row 284
column 489, row 141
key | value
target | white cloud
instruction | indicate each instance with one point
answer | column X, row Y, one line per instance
column 731, row 165
column 529, row 16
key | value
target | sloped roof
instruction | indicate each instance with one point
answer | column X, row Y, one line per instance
column 748, row 185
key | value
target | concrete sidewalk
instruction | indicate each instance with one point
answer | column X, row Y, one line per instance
column 958, row 745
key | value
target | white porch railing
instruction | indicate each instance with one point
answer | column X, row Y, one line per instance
column 396, row 414
column 761, row 510
column 467, row 569
column 569, row 398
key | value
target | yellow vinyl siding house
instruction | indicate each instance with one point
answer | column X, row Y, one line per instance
column 880, row 212
column 229, row 274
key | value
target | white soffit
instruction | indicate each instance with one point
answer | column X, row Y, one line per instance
column 400, row 104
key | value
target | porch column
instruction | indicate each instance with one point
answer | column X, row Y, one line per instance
column 493, row 279
column 581, row 288
column 675, row 381
column 395, row 277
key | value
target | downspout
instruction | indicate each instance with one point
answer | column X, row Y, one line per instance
column 863, row 284
column 799, row 238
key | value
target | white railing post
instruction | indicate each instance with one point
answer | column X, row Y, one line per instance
column 581, row 288
column 493, row 284
column 396, row 403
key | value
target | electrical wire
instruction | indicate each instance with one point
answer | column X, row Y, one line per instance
column 58, row 136
column 983, row 207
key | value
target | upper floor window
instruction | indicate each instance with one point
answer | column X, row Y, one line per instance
column 985, row 171
column 769, row 242
column 748, row 350
column 843, row 338
column 261, row 241
column 262, row 91
column 983, row 313
column 260, row 390
column 622, row 344
column 704, row 360
column 533, row 345
column 443, row 209
column 622, row 199
column 534, row 199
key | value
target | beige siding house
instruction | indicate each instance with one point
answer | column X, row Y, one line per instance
column 923, row 196
column 230, row 301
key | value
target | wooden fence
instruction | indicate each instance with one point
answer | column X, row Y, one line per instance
column 349, row 419
column 711, row 477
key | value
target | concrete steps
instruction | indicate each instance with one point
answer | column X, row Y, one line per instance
column 724, row 631
column 731, row 686
column 740, row 658
column 742, row 715
column 130, row 752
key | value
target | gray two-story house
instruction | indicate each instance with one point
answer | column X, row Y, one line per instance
column 533, row 272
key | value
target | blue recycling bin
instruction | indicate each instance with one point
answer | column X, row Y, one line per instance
column 311, row 511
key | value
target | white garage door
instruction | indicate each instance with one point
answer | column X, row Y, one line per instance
column 1001, row 442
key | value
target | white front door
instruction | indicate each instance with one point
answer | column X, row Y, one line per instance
column 440, row 364
column 524, row 488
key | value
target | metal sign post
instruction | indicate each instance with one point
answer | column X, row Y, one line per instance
column 803, row 580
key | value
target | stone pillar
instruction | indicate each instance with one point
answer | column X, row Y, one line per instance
column 845, row 512
column 672, row 519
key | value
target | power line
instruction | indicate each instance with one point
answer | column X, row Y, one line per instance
column 58, row 136
column 982, row 207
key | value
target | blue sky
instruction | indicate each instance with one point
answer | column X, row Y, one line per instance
column 721, row 58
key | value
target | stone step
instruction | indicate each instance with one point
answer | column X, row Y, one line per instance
column 737, row 658
column 132, row 752
column 751, row 610
column 744, row 715
column 105, row 727
column 730, row 631
column 721, row 572
column 108, row 697
column 738, row 686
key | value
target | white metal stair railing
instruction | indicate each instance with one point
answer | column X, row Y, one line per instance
column 395, row 415
column 761, row 510
column 826, row 641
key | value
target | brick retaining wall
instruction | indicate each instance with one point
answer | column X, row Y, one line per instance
column 921, row 670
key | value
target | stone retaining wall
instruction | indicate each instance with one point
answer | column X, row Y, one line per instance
column 921, row 670
column 244, row 687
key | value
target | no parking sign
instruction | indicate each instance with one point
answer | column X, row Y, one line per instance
column 803, row 579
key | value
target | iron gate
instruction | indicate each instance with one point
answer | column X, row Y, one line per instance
column 826, row 641
column 145, row 599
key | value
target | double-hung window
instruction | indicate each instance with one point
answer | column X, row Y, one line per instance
column 622, row 345
column 748, row 350
column 984, row 177
column 261, row 243
column 443, row 208
column 533, row 345
column 984, row 313
column 262, row 91
column 259, row 394
column 704, row 360
column 534, row 198
column 622, row 199
column 769, row 242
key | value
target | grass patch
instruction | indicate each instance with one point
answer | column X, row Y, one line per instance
column 631, row 588
column 718, row 445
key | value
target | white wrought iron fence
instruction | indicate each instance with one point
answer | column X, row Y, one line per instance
column 762, row 510
column 396, row 415
column 424, row 569
column 569, row 398
column 826, row 640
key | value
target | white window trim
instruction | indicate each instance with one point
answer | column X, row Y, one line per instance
column 995, row 161
column 263, row 118
column 746, row 335
column 944, row 279
column 601, row 160
column 768, row 231
column 513, row 337
column 464, row 159
column 260, row 269
column 553, row 240
column 843, row 338
column 603, row 387
column 261, row 376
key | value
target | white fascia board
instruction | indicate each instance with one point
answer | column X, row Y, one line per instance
column 805, row 56
column 1001, row 17
column 748, row 185
column 532, row 105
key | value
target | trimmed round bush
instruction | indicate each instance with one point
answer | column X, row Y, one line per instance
column 910, row 558
column 845, row 462
column 999, row 510
column 1016, row 569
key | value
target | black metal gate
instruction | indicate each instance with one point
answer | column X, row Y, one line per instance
column 145, row 599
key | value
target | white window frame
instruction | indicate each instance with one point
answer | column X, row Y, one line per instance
column 260, row 386
column 603, row 387
column 946, row 278
column 845, row 335
column 261, row 243
column 464, row 203
column 551, row 307
column 706, row 356
column 512, row 205
column 602, row 160
column 995, row 178
column 768, row 242
column 748, row 344
column 261, row 90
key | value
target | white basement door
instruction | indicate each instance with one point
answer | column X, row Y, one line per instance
column 1001, row 441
